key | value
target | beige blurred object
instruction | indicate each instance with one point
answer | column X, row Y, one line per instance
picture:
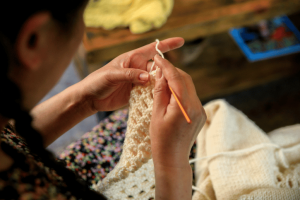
column 139, row 15
column 242, row 162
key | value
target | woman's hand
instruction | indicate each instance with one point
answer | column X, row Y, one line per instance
column 171, row 136
column 109, row 87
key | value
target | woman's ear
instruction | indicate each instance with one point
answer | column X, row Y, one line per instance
column 31, row 41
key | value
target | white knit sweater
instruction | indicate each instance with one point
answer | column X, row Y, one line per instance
column 242, row 162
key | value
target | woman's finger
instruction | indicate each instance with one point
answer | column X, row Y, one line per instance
column 161, row 94
column 187, row 78
column 177, row 83
column 173, row 77
column 149, row 51
column 149, row 65
column 136, row 76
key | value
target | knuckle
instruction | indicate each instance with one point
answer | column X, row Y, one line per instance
column 131, row 55
column 158, row 89
column 153, row 45
column 185, row 75
column 180, row 93
column 122, row 61
column 162, row 46
column 175, row 77
column 129, row 74
column 178, row 113
column 125, row 62
column 109, row 75
column 197, row 111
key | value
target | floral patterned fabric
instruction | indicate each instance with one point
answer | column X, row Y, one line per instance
column 98, row 151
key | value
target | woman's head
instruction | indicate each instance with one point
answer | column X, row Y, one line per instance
column 37, row 42
column 41, row 37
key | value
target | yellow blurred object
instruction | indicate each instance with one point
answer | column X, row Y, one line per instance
column 140, row 15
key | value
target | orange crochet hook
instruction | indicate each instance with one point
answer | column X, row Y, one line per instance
column 181, row 107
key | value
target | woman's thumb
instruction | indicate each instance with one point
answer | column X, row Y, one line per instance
column 136, row 76
column 161, row 94
column 133, row 75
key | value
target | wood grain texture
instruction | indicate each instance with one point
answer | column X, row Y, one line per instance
column 190, row 19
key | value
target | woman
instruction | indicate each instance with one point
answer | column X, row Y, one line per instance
column 36, row 46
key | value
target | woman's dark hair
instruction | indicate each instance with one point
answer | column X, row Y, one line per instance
column 12, row 15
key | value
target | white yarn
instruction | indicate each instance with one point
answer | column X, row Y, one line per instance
column 159, row 52
column 237, row 152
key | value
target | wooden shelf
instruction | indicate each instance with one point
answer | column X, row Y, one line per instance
column 190, row 19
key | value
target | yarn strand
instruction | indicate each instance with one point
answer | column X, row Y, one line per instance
column 159, row 52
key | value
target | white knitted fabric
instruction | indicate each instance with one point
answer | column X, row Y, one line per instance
column 133, row 176
column 240, row 161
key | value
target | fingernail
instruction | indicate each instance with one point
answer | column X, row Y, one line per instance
column 144, row 76
column 158, row 73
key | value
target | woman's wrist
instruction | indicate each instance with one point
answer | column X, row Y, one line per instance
column 81, row 100
column 168, row 158
column 173, row 182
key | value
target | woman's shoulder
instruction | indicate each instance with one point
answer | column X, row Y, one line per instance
column 28, row 178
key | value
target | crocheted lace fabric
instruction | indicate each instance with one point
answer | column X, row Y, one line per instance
column 133, row 176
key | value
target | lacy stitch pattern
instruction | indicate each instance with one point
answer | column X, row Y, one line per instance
column 134, row 174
